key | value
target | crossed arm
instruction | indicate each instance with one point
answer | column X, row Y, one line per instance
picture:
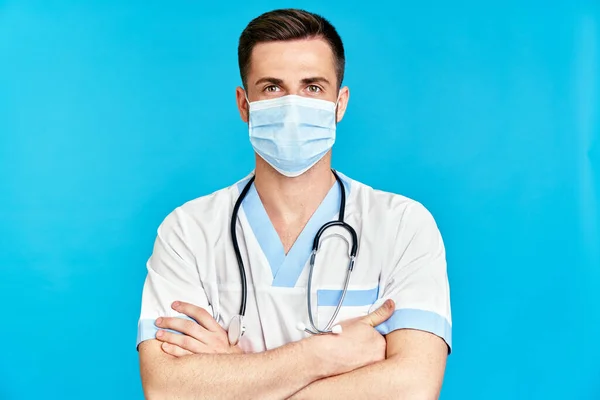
column 274, row 374
column 413, row 369
column 411, row 365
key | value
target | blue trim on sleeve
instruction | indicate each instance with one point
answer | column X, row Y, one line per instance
column 147, row 329
column 409, row 318
column 331, row 298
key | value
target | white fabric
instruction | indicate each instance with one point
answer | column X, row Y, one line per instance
column 400, row 256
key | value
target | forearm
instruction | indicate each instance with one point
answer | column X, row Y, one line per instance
column 388, row 379
column 275, row 374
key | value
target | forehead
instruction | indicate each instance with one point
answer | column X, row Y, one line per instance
column 292, row 59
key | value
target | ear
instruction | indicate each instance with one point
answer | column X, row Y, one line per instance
column 242, row 104
column 343, row 98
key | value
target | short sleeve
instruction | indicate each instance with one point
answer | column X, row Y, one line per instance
column 172, row 275
column 417, row 278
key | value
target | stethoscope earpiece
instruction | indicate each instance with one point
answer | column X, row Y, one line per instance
column 236, row 330
column 336, row 329
column 300, row 326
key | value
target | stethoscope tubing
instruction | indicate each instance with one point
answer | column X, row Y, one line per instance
column 315, row 248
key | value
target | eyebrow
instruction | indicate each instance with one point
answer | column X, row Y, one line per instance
column 305, row 81
column 268, row 79
column 315, row 79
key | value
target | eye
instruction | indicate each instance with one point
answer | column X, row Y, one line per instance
column 271, row 89
column 314, row 89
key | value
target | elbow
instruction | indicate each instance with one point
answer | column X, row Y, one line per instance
column 415, row 391
column 156, row 392
column 423, row 393
column 160, row 386
column 159, row 374
column 426, row 396
column 156, row 387
column 153, row 395
column 153, row 390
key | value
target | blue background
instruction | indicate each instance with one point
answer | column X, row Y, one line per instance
column 113, row 113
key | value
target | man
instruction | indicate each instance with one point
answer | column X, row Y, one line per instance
column 394, row 325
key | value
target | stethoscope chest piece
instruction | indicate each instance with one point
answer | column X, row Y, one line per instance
column 236, row 330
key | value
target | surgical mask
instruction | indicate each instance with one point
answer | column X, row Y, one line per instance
column 292, row 133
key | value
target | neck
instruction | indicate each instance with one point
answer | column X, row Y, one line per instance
column 293, row 200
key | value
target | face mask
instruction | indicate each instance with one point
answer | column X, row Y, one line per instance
column 292, row 133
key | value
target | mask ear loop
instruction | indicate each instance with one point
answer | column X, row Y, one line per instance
column 247, row 102
column 337, row 103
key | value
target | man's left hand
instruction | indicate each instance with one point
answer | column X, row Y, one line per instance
column 201, row 335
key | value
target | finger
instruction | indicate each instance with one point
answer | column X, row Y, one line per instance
column 196, row 348
column 185, row 326
column 199, row 314
column 185, row 342
column 174, row 350
column 381, row 314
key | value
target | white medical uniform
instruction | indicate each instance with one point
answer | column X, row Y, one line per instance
column 400, row 256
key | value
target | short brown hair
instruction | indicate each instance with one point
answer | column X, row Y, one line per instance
column 289, row 24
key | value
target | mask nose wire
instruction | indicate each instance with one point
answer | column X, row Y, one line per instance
column 337, row 102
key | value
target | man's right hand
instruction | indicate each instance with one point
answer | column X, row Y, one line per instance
column 359, row 344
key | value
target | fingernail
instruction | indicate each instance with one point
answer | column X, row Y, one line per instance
column 388, row 303
column 165, row 345
column 159, row 333
column 176, row 305
column 158, row 321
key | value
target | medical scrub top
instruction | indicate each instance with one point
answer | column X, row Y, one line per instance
column 400, row 256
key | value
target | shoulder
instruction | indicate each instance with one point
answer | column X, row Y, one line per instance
column 387, row 208
column 203, row 211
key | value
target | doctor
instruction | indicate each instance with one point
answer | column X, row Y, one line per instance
column 237, row 282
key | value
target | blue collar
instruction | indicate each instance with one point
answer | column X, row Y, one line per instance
column 286, row 269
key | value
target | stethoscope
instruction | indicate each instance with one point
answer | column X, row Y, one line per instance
column 237, row 327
